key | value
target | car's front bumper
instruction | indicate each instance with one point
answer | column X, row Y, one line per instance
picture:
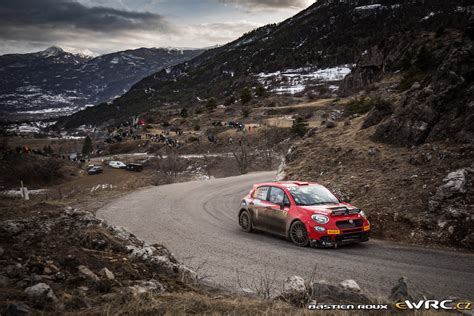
column 341, row 239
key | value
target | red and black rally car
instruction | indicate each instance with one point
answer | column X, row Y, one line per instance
column 305, row 212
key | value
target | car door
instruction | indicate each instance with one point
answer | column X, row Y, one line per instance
column 277, row 212
column 258, row 206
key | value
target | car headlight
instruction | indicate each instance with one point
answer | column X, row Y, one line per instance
column 321, row 219
column 362, row 213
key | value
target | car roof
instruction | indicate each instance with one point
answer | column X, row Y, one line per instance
column 285, row 184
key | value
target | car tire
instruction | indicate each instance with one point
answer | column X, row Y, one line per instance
column 298, row 234
column 245, row 221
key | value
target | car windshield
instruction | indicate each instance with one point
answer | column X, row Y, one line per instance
column 312, row 195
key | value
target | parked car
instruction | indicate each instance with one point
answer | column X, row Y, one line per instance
column 134, row 167
column 117, row 165
column 305, row 212
column 94, row 170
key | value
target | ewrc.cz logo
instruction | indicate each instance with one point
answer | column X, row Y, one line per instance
column 434, row 304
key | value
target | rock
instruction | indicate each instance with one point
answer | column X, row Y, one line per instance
column 151, row 286
column 18, row 309
column 106, row 273
column 13, row 270
column 88, row 273
column 373, row 151
column 311, row 132
column 4, row 281
column 294, row 290
column 323, row 292
column 400, row 292
column 11, row 227
column 347, row 123
column 377, row 114
column 468, row 241
column 455, row 185
column 415, row 85
column 41, row 291
column 350, row 285
column 456, row 181
column 331, row 124
column 248, row 292
column 186, row 275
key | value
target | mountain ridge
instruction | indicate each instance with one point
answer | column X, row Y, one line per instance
column 55, row 82
column 328, row 33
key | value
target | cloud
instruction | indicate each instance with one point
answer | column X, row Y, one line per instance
column 221, row 32
column 257, row 5
column 52, row 19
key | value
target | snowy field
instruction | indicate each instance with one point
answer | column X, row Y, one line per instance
column 291, row 81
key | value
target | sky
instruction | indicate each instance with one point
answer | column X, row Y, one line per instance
column 103, row 26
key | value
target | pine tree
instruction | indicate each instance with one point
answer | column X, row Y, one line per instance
column 211, row 104
column 260, row 91
column 245, row 96
column 87, row 146
column 184, row 113
column 299, row 127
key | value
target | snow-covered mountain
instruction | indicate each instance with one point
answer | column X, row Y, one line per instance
column 55, row 82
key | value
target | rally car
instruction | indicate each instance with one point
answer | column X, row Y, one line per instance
column 307, row 213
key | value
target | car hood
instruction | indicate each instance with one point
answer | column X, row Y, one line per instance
column 326, row 208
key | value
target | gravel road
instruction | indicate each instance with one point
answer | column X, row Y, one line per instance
column 198, row 222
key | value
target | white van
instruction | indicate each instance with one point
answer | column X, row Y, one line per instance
column 117, row 165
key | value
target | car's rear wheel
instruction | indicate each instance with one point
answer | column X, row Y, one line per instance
column 245, row 221
column 298, row 234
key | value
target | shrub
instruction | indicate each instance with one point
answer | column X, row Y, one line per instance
column 260, row 91
column 211, row 104
column 299, row 127
column 245, row 96
column 409, row 78
column 360, row 105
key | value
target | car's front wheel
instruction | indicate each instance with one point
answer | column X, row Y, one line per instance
column 298, row 234
column 245, row 221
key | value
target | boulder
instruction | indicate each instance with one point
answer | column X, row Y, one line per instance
column 85, row 271
column 12, row 227
column 142, row 287
column 323, row 292
column 350, row 285
column 186, row 275
column 41, row 291
column 294, row 290
column 4, row 281
column 455, row 184
column 401, row 292
column 330, row 124
column 106, row 273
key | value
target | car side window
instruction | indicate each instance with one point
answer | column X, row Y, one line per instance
column 277, row 196
column 261, row 193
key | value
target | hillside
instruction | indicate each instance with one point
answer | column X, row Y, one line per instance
column 55, row 82
column 319, row 45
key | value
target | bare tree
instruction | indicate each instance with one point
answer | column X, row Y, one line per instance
column 240, row 151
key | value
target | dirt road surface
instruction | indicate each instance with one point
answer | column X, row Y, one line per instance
column 198, row 222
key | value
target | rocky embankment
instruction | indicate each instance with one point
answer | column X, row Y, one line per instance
column 76, row 261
